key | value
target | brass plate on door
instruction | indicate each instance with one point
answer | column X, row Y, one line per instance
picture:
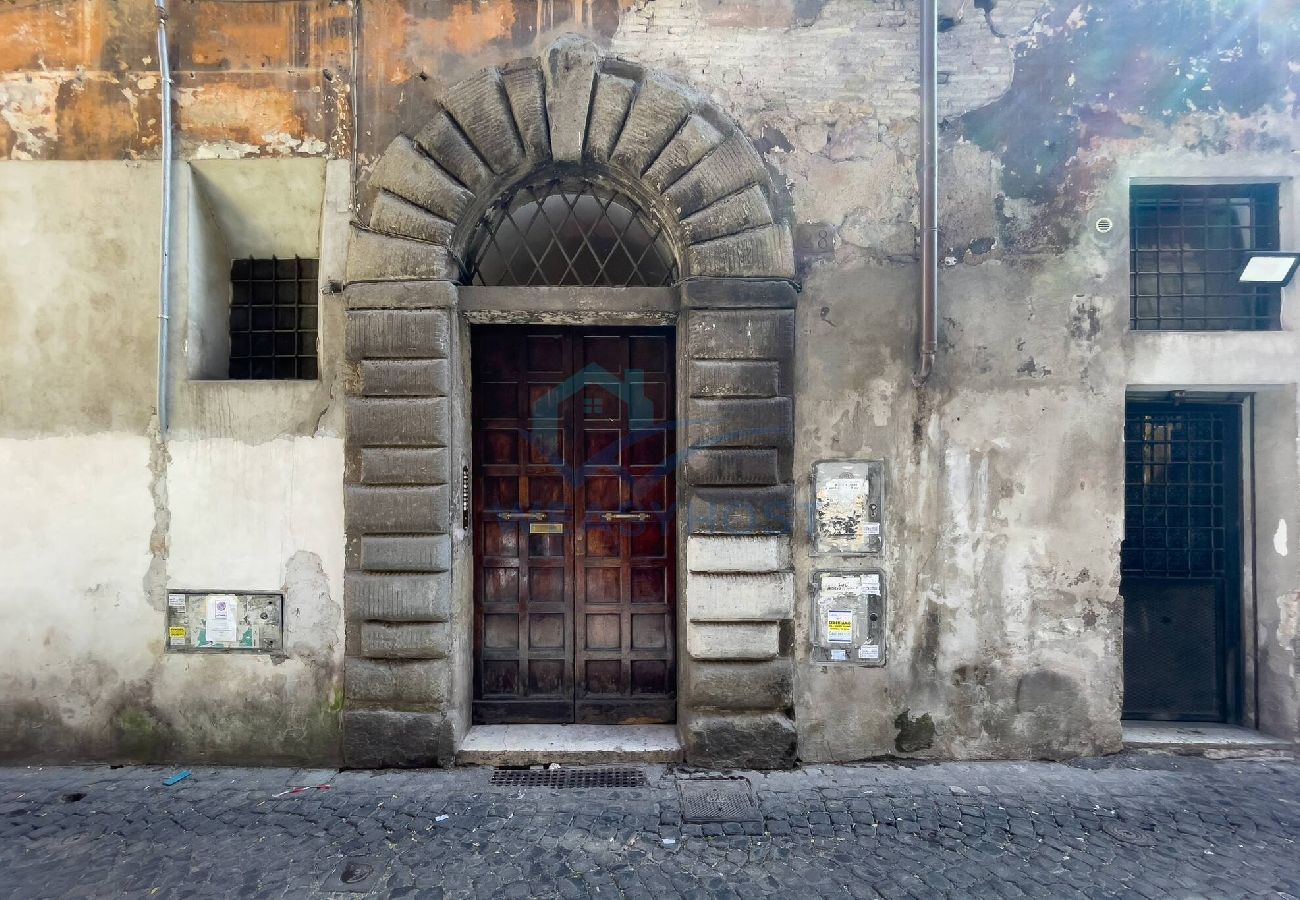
column 546, row 528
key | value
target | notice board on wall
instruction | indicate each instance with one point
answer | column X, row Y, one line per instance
column 225, row 621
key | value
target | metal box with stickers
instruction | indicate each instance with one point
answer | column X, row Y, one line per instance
column 850, row 617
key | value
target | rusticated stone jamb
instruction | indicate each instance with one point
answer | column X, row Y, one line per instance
column 397, row 587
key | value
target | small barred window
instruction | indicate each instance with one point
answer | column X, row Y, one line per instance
column 273, row 318
column 1189, row 243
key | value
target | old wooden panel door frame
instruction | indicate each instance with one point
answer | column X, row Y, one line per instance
column 573, row 513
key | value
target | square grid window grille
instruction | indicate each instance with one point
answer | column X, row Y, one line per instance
column 1188, row 246
column 1176, row 482
column 273, row 318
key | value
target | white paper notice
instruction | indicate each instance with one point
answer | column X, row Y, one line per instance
column 222, row 621
column 869, row 651
column 873, row 584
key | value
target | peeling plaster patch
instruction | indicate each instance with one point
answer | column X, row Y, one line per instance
column 1279, row 539
column 28, row 107
column 222, row 150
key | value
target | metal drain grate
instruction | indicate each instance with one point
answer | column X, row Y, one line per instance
column 724, row 798
column 584, row 777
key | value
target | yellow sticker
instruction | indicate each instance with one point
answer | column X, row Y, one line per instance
column 176, row 632
column 839, row 626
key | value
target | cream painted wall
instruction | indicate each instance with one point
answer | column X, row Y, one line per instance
column 102, row 517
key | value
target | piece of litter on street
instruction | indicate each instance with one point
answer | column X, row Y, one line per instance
column 179, row 776
column 668, row 841
column 441, row 818
column 301, row 788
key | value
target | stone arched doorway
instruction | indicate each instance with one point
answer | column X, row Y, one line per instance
column 570, row 113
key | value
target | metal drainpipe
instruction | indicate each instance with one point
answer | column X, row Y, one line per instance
column 164, row 276
column 929, row 343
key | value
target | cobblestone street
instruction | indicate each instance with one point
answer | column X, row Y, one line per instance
column 1128, row 826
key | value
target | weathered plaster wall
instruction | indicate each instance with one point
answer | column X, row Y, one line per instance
column 1005, row 505
column 101, row 517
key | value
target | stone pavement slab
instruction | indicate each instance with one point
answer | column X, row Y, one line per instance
column 1136, row 825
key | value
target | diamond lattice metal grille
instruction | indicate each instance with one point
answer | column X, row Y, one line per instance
column 569, row 232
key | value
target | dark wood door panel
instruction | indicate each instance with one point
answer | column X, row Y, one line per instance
column 575, row 588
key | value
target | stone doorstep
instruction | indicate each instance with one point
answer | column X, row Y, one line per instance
column 1200, row 738
column 525, row 745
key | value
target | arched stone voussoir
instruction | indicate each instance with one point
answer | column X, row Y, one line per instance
column 409, row 173
column 526, row 91
column 373, row 256
column 659, row 109
column 479, row 105
column 569, row 69
column 763, row 252
column 729, row 167
column 390, row 214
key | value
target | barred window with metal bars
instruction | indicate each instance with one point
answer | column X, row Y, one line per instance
column 1179, row 484
column 569, row 232
column 1189, row 244
column 273, row 318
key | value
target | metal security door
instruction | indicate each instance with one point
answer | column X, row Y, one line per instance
column 1181, row 561
column 574, row 587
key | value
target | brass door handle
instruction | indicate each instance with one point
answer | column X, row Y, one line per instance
column 530, row 516
column 625, row 517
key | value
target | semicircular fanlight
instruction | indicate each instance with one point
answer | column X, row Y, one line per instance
column 569, row 232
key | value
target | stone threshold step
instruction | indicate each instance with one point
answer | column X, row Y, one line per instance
column 1198, row 737
column 527, row 745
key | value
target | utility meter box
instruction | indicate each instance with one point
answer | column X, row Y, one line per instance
column 850, row 617
column 848, row 504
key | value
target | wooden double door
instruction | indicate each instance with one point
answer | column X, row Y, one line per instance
column 573, row 517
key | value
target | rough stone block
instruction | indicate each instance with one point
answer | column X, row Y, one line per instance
column 443, row 140
column 426, row 553
column 733, row 640
column 391, row 214
column 716, row 553
column 732, row 165
column 408, row 172
column 763, row 685
column 736, row 597
column 382, row 257
column 734, row 378
column 379, row 738
column 658, row 110
column 740, row 423
column 407, row 640
column 527, row 94
column 741, row 741
column 401, row 333
column 740, row 510
column 404, row 683
column 397, row 510
column 733, row 466
column 766, row 251
column 740, row 334
column 479, row 105
column 569, row 69
column 391, row 465
column 608, row 113
column 687, row 147
column 405, row 378
column 401, row 422
column 398, row 598
column 737, row 212
column 400, row 295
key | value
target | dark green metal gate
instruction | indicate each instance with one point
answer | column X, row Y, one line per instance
column 1181, row 561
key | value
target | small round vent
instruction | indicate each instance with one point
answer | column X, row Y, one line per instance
column 1105, row 224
